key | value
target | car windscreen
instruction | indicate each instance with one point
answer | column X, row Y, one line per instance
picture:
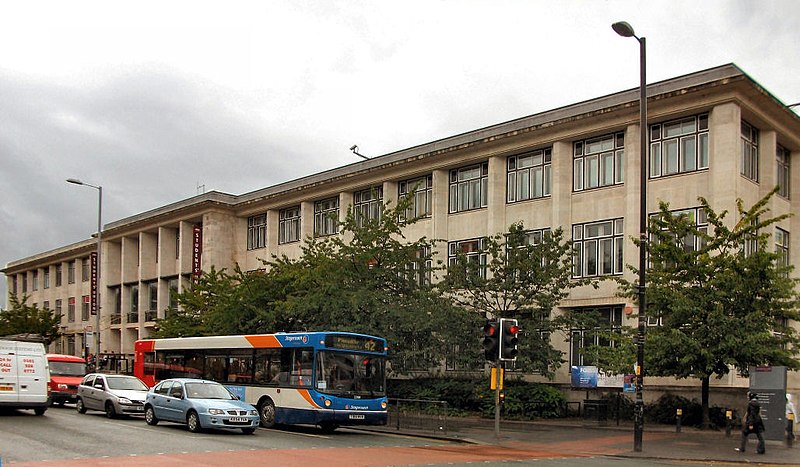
column 207, row 391
column 125, row 383
column 67, row 368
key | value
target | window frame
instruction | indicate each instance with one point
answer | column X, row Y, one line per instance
column 591, row 162
column 522, row 176
column 367, row 205
column 289, row 225
column 257, row 231
column 783, row 171
column 326, row 217
column 583, row 239
column 467, row 183
column 749, row 144
column 420, row 189
column 694, row 128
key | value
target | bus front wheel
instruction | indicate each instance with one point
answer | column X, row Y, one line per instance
column 266, row 411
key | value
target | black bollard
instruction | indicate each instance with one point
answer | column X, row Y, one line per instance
column 728, row 423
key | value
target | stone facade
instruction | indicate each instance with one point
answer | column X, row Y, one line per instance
column 149, row 257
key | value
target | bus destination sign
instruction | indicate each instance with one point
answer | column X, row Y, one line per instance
column 346, row 342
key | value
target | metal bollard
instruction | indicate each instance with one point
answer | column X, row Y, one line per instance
column 728, row 423
column 678, row 416
column 790, row 430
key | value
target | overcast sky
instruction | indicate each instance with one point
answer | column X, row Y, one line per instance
column 154, row 100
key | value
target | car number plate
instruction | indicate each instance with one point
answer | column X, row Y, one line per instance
column 356, row 417
column 238, row 420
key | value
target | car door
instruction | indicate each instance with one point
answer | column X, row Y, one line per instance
column 175, row 403
column 84, row 390
column 94, row 398
column 158, row 399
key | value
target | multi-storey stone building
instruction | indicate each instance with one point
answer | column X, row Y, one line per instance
column 715, row 133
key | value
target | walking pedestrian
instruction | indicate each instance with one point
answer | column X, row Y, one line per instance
column 791, row 417
column 753, row 424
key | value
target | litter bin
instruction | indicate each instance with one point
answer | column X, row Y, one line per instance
column 595, row 410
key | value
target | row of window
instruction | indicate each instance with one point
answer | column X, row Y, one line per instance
column 676, row 147
column 86, row 273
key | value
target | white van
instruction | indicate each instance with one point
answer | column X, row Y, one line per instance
column 24, row 376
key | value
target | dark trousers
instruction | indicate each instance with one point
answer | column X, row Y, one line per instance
column 745, row 433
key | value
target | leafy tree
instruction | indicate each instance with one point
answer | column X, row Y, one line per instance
column 371, row 279
column 723, row 296
column 520, row 279
column 22, row 318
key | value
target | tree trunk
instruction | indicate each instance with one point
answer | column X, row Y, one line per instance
column 704, row 402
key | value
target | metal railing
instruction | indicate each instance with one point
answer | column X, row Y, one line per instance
column 133, row 317
column 150, row 315
column 428, row 416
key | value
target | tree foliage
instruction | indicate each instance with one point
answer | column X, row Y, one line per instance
column 722, row 295
column 22, row 318
column 520, row 279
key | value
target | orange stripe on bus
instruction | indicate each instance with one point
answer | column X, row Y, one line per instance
column 263, row 341
column 307, row 396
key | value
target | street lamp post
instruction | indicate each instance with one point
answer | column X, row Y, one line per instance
column 626, row 30
column 96, row 285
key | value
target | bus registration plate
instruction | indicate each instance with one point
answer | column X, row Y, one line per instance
column 356, row 417
column 238, row 420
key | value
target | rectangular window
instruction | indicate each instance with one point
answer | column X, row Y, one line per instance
column 420, row 190
column 598, row 248
column 598, row 162
column 289, row 225
column 59, row 271
column 14, row 284
column 749, row 151
column 256, row 232
column 326, row 217
column 783, row 175
column 133, row 314
column 35, row 280
column 679, row 146
column 472, row 249
column 582, row 338
column 46, row 278
column 71, row 272
column 58, row 309
column 71, row 309
column 529, row 175
column 24, row 282
column 367, row 205
column 469, row 187
column 86, row 270
column 152, row 309
column 172, row 287
column 418, row 270
column 782, row 246
column 86, row 302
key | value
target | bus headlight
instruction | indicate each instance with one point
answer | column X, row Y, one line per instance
column 383, row 405
column 327, row 402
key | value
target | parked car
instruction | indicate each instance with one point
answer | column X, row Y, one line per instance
column 66, row 373
column 199, row 404
column 113, row 394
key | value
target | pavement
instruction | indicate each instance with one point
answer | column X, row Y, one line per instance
column 592, row 438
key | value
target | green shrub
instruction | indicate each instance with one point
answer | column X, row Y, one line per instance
column 664, row 410
column 523, row 401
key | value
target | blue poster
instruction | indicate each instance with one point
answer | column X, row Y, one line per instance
column 584, row 377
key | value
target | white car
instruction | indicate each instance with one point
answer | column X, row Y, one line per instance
column 113, row 394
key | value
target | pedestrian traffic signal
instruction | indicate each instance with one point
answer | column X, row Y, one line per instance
column 508, row 339
column 491, row 340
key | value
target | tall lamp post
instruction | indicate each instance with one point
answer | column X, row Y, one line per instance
column 96, row 279
column 626, row 30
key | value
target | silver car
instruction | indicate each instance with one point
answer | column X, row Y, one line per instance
column 113, row 394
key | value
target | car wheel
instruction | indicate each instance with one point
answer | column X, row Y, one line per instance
column 266, row 411
column 39, row 410
column 248, row 431
column 150, row 415
column 110, row 412
column 79, row 406
column 193, row 420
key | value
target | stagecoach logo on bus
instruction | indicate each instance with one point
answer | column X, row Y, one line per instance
column 303, row 338
column 356, row 407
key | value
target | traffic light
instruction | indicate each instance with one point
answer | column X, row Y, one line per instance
column 491, row 340
column 508, row 339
